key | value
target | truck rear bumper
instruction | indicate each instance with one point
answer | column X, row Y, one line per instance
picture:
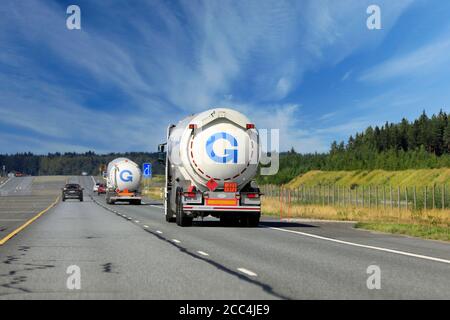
column 222, row 208
column 124, row 198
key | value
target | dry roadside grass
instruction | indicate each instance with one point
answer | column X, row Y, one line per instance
column 430, row 224
column 153, row 192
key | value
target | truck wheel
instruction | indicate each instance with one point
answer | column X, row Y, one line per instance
column 228, row 221
column 81, row 199
column 243, row 221
column 63, row 199
column 181, row 218
column 253, row 220
column 169, row 217
column 250, row 220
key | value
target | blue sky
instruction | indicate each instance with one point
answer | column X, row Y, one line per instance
column 310, row 68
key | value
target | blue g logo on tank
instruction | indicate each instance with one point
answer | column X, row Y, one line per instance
column 126, row 176
column 228, row 155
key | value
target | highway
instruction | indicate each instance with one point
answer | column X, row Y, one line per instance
column 130, row 252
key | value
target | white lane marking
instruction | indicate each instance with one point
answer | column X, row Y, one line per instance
column 404, row 253
column 247, row 272
column 129, row 218
column 93, row 180
column 5, row 182
column 145, row 226
column 176, row 241
column 157, row 231
column 203, row 253
column 137, row 221
column 159, row 207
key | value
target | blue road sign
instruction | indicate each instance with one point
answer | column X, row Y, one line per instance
column 147, row 170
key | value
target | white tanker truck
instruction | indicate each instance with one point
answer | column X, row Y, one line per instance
column 123, row 179
column 211, row 159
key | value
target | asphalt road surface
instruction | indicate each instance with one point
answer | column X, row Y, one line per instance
column 130, row 252
column 22, row 198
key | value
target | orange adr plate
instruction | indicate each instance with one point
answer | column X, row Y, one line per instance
column 221, row 202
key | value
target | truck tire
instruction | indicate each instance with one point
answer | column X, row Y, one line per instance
column 181, row 218
column 63, row 199
column 169, row 216
column 250, row 220
column 228, row 221
column 81, row 199
column 253, row 220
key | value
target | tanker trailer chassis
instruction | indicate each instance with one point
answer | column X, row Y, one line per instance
column 113, row 196
column 232, row 208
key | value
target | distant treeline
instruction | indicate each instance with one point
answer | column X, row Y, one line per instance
column 421, row 144
column 71, row 163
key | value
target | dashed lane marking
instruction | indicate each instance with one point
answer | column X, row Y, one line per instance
column 247, row 272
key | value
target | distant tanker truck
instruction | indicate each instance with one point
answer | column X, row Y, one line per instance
column 123, row 179
column 211, row 159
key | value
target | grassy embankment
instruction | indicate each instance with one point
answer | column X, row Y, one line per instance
column 430, row 224
column 408, row 178
column 152, row 187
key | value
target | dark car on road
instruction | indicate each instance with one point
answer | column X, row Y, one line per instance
column 72, row 191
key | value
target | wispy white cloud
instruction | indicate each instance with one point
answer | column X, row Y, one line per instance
column 424, row 60
column 179, row 61
column 346, row 75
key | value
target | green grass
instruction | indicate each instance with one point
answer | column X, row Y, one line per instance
column 418, row 178
column 415, row 230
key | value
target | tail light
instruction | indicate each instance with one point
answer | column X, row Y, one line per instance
column 250, row 126
column 252, row 195
column 189, row 194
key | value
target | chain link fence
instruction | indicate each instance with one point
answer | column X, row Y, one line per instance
column 376, row 197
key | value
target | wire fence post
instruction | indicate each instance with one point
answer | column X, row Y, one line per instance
column 434, row 205
column 425, row 198
column 376, row 196
column 363, row 196
column 390, row 197
column 406, row 197
column 281, row 203
column 443, row 197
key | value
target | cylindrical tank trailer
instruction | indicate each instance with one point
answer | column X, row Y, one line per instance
column 211, row 159
column 123, row 179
